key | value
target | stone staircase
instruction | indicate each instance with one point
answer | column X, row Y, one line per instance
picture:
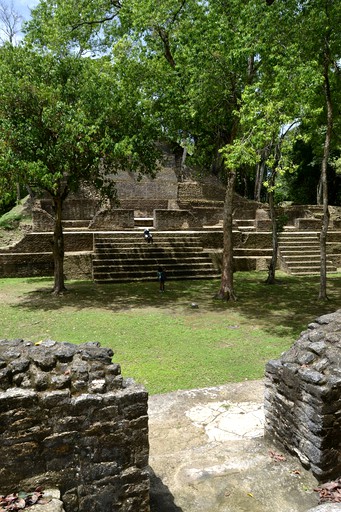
column 245, row 224
column 122, row 257
column 299, row 253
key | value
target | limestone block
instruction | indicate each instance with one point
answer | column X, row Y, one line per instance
column 308, row 224
column 113, row 219
column 175, row 220
column 54, row 503
column 303, row 397
column 76, row 424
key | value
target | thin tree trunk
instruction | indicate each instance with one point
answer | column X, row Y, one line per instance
column 58, row 248
column 30, row 191
column 259, row 180
column 319, row 192
column 271, row 279
column 325, row 221
column 226, row 291
column 18, row 193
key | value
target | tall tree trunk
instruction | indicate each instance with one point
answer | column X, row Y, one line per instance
column 18, row 193
column 58, row 248
column 226, row 291
column 271, row 279
column 325, row 221
column 319, row 192
column 259, row 180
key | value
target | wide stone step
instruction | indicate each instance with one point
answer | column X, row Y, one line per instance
column 171, row 259
column 152, row 271
column 246, row 228
column 245, row 224
column 151, row 276
column 145, row 246
column 138, row 233
column 151, row 262
column 300, row 263
column 313, row 266
column 141, row 240
column 297, row 252
column 122, row 257
column 295, row 243
column 305, row 271
column 146, row 222
column 297, row 257
column 142, row 254
column 253, row 252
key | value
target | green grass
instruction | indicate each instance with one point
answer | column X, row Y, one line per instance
column 159, row 339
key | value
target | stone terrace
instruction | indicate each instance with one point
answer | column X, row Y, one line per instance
column 186, row 220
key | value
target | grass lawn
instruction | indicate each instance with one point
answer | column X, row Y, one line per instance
column 159, row 339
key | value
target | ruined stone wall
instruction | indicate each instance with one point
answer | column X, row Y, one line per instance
column 190, row 191
column 176, row 220
column 303, row 397
column 117, row 218
column 24, row 265
column 145, row 207
column 164, row 186
column 43, row 242
column 74, row 208
column 68, row 420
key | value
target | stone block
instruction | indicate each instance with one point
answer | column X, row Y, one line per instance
column 208, row 216
column 175, row 220
column 308, row 224
column 303, row 397
column 109, row 220
column 91, row 443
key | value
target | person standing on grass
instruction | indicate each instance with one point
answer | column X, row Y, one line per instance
column 161, row 275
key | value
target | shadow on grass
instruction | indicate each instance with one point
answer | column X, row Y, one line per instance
column 284, row 309
column 288, row 306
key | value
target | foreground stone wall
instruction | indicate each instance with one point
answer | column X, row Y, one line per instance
column 68, row 420
column 303, row 397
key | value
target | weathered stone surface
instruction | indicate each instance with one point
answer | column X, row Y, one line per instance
column 69, row 420
column 53, row 504
column 326, row 507
column 303, row 397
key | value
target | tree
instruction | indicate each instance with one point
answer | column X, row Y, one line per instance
column 10, row 22
column 318, row 23
column 196, row 62
column 65, row 121
column 194, row 77
column 301, row 46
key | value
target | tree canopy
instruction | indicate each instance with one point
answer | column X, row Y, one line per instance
column 220, row 80
column 66, row 121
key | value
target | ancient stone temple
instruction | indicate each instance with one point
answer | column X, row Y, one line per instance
column 68, row 420
column 303, row 398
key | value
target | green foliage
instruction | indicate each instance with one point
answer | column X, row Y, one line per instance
column 215, row 74
column 65, row 120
